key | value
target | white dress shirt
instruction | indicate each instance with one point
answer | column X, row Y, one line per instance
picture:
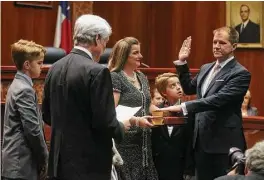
column 85, row 50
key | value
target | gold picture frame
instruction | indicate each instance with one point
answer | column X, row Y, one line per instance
column 251, row 13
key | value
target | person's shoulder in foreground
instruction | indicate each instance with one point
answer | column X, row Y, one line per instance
column 234, row 177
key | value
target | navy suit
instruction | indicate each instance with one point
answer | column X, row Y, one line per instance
column 250, row 34
column 218, row 118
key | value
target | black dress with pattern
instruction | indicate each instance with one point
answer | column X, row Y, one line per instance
column 135, row 149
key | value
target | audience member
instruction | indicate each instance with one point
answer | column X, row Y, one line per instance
column 24, row 150
column 131, row 89
column 79, row 105
column 246, row 108
column 156, row 98
column 220, row 87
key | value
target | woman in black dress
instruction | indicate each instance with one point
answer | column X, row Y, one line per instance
column 131, row 89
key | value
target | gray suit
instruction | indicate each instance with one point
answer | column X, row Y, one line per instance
column 24, row 150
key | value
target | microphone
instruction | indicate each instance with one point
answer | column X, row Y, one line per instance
column 145, row 65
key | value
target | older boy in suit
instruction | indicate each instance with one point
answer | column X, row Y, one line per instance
column 24, row 151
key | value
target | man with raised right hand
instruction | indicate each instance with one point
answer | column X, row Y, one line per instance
column 220, row 87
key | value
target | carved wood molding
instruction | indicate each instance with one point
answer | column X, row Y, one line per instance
column 79, row 8
column 8, row 74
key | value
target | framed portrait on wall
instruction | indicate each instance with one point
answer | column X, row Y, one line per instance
column 247, row 17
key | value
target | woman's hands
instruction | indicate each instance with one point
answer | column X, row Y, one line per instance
column 144, row 121
column 141, row 121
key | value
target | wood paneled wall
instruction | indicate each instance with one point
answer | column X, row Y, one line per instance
column 30, row 23
column 160, row 26
column 35, row 24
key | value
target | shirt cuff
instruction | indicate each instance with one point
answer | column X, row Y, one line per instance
column 184, row 109
column 179, row 62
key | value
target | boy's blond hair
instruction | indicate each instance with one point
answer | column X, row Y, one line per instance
column 26, row 50
column 161, row 82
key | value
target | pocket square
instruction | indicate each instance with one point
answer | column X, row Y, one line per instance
column 219, row 80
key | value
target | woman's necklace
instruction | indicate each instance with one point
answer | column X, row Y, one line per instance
column 133, row 80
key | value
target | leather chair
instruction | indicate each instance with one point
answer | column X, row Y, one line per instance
column 53, row 54
column 105, row 56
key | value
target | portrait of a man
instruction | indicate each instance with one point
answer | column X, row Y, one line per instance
column 249, row 31
column 247, row 17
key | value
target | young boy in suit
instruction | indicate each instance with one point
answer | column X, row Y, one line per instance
column 24, row 151
column 169, row 143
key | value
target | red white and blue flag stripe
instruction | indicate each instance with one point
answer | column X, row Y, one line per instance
column 63, row 34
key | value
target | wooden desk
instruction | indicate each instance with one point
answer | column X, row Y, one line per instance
column 253, row 127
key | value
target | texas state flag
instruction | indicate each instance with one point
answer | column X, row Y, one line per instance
column 63, row 34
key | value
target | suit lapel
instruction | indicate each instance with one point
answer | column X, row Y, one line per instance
column 224, row 71
column 174, row 130
column 165, row 132
column 203, row 76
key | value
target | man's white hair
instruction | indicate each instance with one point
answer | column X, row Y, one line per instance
column 255, row 157
column 88, row 26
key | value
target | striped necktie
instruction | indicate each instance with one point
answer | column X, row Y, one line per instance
column 216, row 69
column 242, row 28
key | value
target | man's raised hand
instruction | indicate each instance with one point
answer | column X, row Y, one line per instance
column 185, row 49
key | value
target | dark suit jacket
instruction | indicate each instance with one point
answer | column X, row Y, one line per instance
column 24, row 150
column 251, row 33
column 218, row 119
column 170, row 151
column 78, row 103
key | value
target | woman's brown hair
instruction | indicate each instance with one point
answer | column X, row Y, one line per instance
column 120, row 53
